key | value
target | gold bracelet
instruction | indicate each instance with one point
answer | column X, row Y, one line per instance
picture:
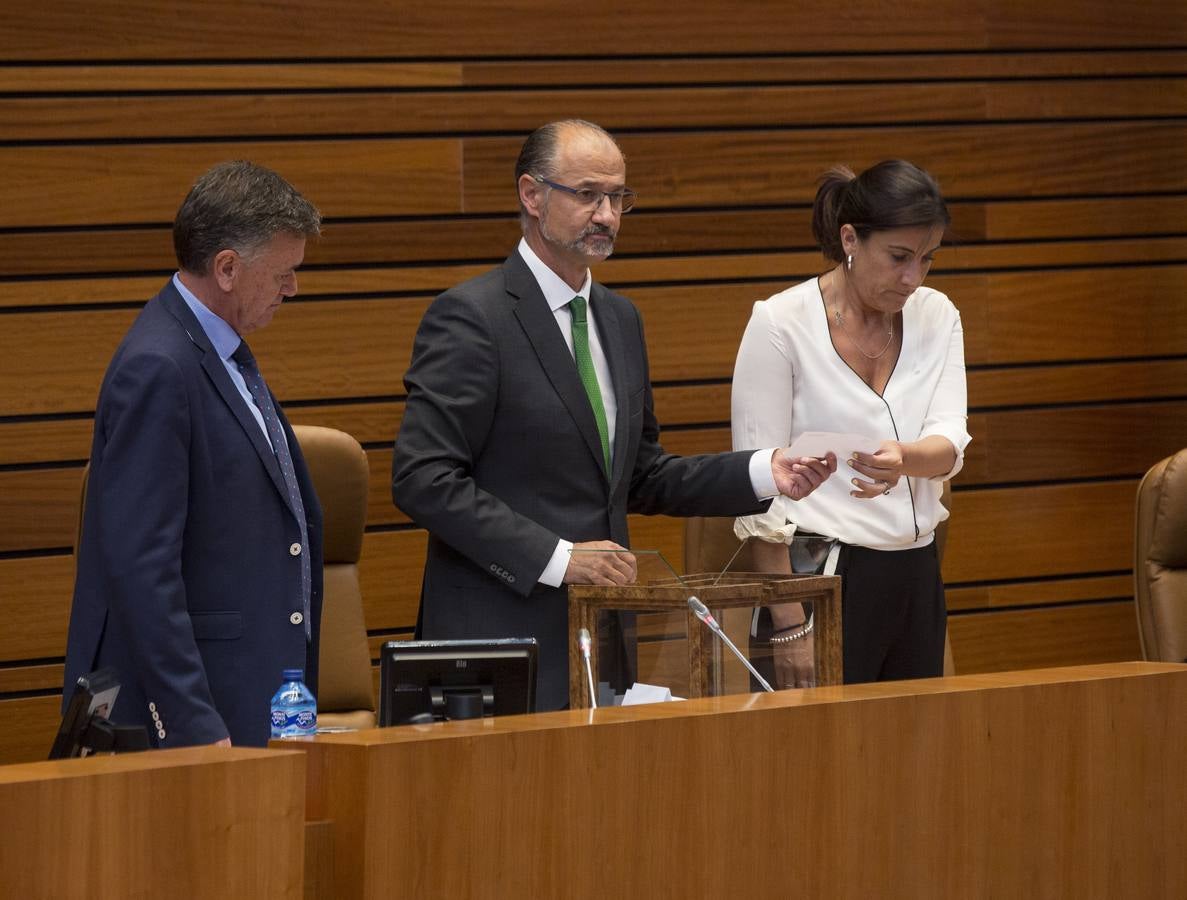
column 798, row 635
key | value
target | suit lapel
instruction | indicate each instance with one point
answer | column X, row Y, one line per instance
column 539, row 324
column 610, row 333
column 212, row 364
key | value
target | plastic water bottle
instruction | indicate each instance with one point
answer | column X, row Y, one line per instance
column 294, row 710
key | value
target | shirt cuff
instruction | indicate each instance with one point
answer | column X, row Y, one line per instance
column 762, row 478
column 554, row 573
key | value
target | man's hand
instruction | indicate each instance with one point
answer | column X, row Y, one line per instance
column 798, row 476
column 600, row 567
column 225, row 742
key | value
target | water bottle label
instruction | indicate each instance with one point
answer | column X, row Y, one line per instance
column 293, row 723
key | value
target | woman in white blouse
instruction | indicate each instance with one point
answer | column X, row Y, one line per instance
column 863, row 349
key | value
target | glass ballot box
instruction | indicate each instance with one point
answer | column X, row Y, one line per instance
column 675, row 634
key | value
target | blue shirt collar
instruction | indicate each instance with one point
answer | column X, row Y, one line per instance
column 223, row 337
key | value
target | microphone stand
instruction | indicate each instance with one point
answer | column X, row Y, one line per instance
column 586, row 644
column 702, row 612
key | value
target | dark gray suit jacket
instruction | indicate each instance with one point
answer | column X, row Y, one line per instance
column 498, row 456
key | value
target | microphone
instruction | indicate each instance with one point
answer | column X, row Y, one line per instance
column 586, row 644
column 701, row 611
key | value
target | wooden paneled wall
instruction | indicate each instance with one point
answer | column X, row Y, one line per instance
column 1058, row 131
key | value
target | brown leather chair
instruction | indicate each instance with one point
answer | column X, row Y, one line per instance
column 710, row 542
column 1160, row 560
column 338, row 467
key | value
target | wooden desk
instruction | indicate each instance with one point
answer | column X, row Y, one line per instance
column 193, row 823
column 1051, row 783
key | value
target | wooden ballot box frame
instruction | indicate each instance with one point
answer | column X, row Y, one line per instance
column 731, row 590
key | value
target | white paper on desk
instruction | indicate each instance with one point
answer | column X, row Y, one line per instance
column 639, row 693
column 818, row 443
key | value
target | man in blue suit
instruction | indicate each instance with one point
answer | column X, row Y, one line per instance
column 199, row 570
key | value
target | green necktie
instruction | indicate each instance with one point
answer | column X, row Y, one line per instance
column 585, row 368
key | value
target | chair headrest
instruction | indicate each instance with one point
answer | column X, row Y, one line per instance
column 1168, row 492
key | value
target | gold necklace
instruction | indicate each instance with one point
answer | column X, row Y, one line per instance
column 889, row 336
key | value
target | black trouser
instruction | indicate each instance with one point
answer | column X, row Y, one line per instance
column 893, row 614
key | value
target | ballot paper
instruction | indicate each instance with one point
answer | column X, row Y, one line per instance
column 639, row 693
column 818, row 443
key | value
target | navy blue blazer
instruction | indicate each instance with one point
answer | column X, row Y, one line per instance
column 188, row 575
column 498, row 456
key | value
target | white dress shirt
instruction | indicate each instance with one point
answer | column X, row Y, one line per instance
column 789, row 379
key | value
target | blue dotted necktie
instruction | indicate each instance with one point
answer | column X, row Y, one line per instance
column 589, row 377
column 259, row 392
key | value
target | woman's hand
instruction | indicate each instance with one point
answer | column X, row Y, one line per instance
column 794, row 664
column 882, row 470
column 794, row 660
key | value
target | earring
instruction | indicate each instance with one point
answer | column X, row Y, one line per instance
column 849, row 263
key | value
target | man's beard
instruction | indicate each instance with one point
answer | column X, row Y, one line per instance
column 581, row 244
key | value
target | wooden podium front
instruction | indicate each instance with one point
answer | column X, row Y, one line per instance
column 1052, row 783
column 200, row 822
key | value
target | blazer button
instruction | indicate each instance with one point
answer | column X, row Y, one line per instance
column 294, row 549
column 296, row 618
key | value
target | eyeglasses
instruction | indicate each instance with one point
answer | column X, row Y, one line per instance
column 620, row 201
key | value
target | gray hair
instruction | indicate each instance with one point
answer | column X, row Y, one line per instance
column 238, row 206
column 539, row 151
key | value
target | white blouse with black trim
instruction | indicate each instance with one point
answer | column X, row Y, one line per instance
column 789, row 379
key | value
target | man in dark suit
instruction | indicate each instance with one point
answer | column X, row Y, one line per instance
column 529, row 431
column 199, row 569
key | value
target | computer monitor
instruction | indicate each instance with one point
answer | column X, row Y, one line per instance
column 425, row 681
column 92, row 701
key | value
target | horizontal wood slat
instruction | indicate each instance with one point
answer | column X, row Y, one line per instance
column 306, row 75
column 1038, row 531
column 337, row 114
column 35, row 596
column 143, row 182
column 644, row 232
column 771, row 167
column 142, row 30
column 39, row 508
column 31, row 678
column 1088, row 442
column 891, row 67
column 1034, row 593
column 1077, row 383
column 28, row 726
column 627, row 273
column 1036, row 638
